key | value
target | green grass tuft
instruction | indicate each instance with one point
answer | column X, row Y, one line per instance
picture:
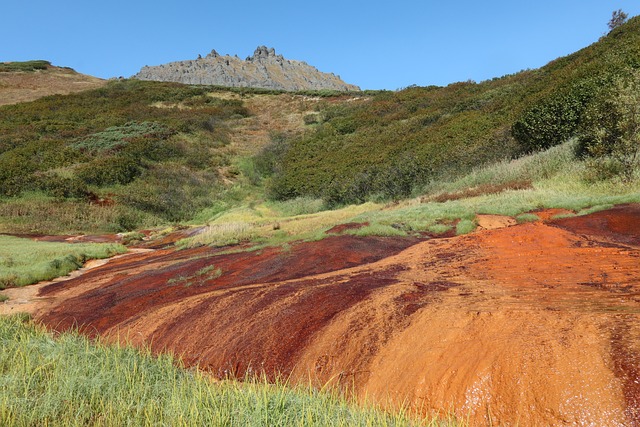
column 73, row 381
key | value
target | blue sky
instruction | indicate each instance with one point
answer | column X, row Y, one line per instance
column 376, row 45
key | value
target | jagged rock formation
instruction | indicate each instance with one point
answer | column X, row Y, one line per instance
column 264, row 69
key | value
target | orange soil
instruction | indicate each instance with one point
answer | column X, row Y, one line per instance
column 534, row 324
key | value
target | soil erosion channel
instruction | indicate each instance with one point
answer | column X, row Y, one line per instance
column 533, row 324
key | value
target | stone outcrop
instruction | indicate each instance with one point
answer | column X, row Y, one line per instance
column 265, row 69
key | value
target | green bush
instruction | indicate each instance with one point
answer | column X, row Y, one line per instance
column 610, row 131
column 24, row 66
column 61, row 187
column 556, row 118
column 171, row 191
column 110, row 170
column 116, row 137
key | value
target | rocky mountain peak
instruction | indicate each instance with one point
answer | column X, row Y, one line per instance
column 265, row 69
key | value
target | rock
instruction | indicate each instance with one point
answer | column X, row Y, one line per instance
column 265, row 69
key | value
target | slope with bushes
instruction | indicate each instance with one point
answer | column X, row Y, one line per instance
column 151, row 150
column 397, row 142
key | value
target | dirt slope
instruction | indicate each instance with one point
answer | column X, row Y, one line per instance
column 534, row 324
column 16, row 87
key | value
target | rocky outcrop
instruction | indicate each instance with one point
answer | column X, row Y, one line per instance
column 265, row 69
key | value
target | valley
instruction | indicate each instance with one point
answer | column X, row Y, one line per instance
column 459, row 255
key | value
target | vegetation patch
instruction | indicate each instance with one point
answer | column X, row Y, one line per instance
column 70, row 380
column 477, row 191
column 210, row 272
column 114, row 142
column 25, row 66
column 394, row 144
column 24, row 261
column 118, row 136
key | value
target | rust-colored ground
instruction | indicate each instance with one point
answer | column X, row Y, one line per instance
column 532, row 324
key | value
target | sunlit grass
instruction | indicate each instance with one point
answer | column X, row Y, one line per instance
column 272, row 222
column 70, row 380
column 24, row 261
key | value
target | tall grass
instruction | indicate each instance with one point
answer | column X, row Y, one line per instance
column 72, row 381
column 40, row 214
column 24, row 261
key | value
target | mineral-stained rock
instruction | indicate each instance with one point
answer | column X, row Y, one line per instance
column 265, row 69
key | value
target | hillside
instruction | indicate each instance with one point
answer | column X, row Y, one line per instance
column 398, row 142
column 134, row 154
column 264, row 70
column 19, row 84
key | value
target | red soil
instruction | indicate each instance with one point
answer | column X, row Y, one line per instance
column 534, row 324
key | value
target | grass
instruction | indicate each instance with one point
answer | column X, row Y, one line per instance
column 24, row 261
column 41, row 214
column 527, row 217
column 271, row 223
column 554, row 177
column 70, row 380
column 209, row 272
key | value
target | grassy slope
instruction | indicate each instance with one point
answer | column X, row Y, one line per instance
column 554, row 179
column 151, row 151
column 71, row 381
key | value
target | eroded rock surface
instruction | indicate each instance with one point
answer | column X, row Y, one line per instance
column 533, row 324
column 265, row 69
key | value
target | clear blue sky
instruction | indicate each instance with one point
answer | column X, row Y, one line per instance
column 373, row 44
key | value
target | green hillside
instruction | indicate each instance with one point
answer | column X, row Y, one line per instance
column 143, row 152
column 397, row 142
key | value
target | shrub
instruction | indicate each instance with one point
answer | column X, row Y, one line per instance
column 556, row 118
column 610, row 131
column 171, row 191
column 61, row 187
column 118, row 136
column 269, row 160
column 110, row 170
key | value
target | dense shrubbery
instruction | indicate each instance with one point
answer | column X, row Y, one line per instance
column 610, row 130
column 118, row 136
column 556, row 118
column 152, row 146
column 171, row 191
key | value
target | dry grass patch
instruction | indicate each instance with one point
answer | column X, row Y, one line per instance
column 16, row 87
